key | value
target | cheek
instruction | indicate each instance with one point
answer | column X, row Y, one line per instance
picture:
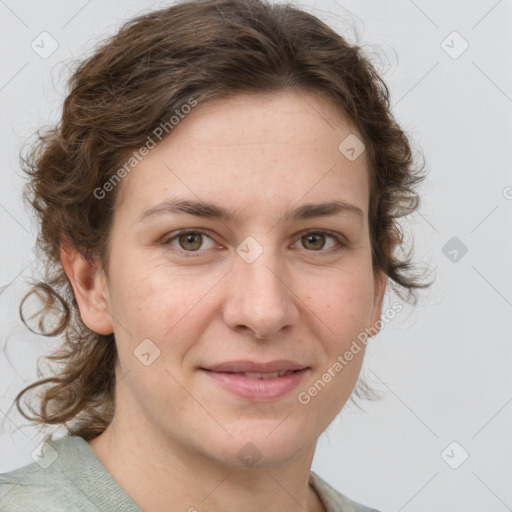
column 343, row 314
column 156, row 328
column 144, row 290
column 343, row 302
column 166, row 306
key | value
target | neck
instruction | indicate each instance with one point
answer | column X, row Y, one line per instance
column 158, row 473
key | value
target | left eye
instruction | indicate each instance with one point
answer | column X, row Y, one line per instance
column 316, row 240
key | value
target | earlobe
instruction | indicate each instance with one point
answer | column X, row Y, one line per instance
column 90, row 289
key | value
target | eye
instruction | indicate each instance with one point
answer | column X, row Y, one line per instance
column 316, row 241
column 189, row 241
column 192, row 241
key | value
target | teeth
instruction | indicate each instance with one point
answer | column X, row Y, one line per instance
column 268, row 375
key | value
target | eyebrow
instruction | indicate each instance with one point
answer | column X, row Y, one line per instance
column 213, row 211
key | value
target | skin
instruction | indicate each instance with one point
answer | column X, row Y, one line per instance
column 176, row 434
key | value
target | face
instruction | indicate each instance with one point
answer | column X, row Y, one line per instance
column 188, row 286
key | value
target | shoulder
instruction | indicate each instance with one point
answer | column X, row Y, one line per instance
column 65, row 477
column 20, row 492
column 333, row 500
column 41, row 485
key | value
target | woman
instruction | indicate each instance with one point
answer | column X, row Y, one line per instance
column 219, row 211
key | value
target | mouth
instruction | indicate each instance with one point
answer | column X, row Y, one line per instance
column 257, row 386
column 259, row 375
column 247, row 366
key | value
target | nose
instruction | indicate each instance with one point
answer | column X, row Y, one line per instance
column 260, row 298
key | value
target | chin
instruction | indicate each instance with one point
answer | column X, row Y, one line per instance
column 263, row 443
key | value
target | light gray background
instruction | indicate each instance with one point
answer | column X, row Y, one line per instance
column 444, row 366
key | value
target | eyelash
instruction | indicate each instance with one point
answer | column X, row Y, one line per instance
column 341, row 244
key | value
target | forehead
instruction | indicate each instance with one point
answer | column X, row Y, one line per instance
column 246, row 148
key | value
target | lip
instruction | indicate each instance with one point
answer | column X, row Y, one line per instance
column 241, row 366
column 257, row 389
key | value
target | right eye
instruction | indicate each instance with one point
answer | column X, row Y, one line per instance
column 187, row 241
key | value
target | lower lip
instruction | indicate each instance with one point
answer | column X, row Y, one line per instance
column 257, row 389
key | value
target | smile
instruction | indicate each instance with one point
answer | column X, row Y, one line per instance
column 256, row 385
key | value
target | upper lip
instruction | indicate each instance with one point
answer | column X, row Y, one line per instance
column 242, row 366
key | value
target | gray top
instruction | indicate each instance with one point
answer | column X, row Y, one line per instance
column 69, row 477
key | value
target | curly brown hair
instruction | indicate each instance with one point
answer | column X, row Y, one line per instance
column 132, row 83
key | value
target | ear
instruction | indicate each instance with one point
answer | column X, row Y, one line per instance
column 379, row 291
column 90, row 288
